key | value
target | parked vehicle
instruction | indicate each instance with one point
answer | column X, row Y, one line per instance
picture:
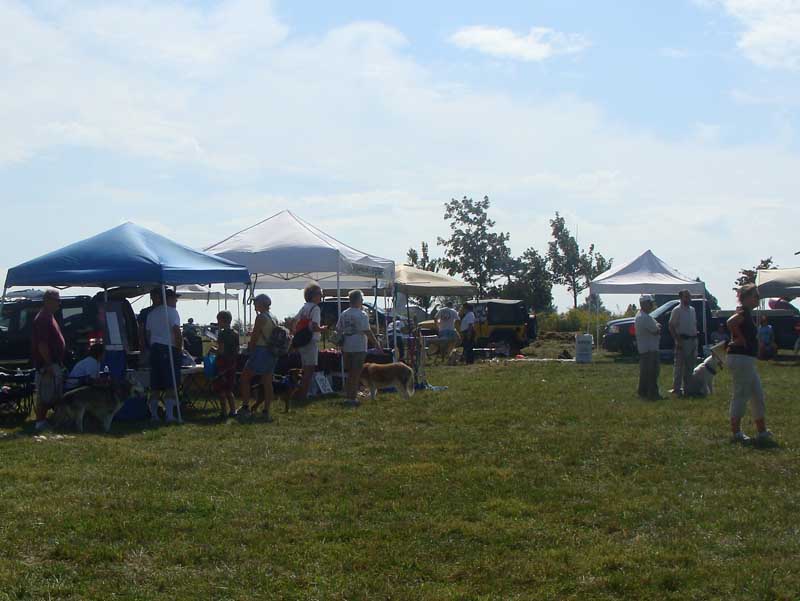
column 81, row 318
column 498, row 321
column 619, row 335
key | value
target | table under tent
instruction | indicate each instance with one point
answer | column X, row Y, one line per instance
column 285, row 252
column 646, row 274
column 127, row 255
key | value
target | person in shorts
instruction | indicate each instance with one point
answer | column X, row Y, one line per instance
column 261, row 362
column 446, row 322
column 163, row 333
column 309, row 353
column 227, row 359
column 741, row 362
column 47, row 353
column 467, row 326
column 353, row 326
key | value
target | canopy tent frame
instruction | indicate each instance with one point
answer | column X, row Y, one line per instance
column 125, row 255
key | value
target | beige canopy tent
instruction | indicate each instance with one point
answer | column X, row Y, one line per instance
column 411, row 280
column 775, row 283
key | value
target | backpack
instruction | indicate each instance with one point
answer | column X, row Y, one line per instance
column 279, row 341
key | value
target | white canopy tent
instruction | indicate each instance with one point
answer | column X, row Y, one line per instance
column 286, row 252
column 778, row 283
column 646, row 274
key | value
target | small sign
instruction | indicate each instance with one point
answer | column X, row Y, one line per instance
column 321, row 384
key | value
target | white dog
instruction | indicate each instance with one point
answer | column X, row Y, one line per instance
column 702, row 381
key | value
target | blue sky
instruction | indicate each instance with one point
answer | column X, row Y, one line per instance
column 669, row 125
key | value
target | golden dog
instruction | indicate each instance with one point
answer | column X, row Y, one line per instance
column 399, row 375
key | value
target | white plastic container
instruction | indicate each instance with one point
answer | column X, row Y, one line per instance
column 583, row 348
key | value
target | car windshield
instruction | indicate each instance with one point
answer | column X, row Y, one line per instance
column 658, row 311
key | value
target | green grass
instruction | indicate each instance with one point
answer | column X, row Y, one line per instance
column 524, row 481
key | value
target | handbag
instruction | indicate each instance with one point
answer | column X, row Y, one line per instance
column 302, row 333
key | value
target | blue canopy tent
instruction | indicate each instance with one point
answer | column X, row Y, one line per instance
column 126, row 255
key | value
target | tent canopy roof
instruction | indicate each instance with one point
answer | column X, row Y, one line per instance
column 411, row 280
column 126, row 255
column 284, row 251
column 775, row 283
column 645, row 274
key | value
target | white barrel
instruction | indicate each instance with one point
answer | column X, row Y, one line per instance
column 583, row 348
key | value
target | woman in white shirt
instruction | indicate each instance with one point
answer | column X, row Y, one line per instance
column 309, row 352
column 353, row 326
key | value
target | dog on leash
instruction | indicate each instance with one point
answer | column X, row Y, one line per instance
column 101, row 401
column 282, row 390
column 399, row 375
column 702, row 381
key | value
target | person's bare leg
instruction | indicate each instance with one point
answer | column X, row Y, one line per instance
column 269, row 393
column 244, row 387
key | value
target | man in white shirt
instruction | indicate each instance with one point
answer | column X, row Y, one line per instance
column 468, row 334
column 87, row 369
column 683, row 328
column 163, row 331
column 648, row 336
column 353, row 326
column 446, row 321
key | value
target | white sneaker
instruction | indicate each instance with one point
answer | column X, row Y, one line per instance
column 740, row 437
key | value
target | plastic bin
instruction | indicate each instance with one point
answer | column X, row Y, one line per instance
column 583, row 348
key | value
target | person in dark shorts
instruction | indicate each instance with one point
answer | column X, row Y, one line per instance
column 163, row 331
column 227, row 358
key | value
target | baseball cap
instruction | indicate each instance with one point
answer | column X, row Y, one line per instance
column 646, row 298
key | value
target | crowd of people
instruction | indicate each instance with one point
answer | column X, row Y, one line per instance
column 745, row 343
column 161, row 343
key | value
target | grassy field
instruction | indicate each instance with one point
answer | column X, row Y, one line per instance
column 536, row 480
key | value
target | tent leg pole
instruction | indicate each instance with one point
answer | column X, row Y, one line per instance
column 171, row 355
column 339, row 314
column 395, row 352
column 3, row 299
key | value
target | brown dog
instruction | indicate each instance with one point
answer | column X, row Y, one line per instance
column 100, row 401
column 399, row 375
column 283, row 392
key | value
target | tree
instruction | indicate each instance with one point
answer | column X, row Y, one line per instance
column 571, row 266
column 473, row 250
column 713, row 303
column 530, row 281
column 748, row 276
column 422, row 260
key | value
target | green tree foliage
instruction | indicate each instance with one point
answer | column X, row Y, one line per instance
column 422, row 260
column 530, row 281
column 571, row 266
column 748, row 276
column 474, row 251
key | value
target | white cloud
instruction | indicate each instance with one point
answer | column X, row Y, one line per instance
column 376, row 141
column 540, row 44
column 771, row 36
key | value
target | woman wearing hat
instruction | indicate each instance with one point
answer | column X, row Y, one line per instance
column 648, row 336
column 261, row 362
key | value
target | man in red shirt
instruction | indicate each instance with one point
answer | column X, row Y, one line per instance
column 47, row 353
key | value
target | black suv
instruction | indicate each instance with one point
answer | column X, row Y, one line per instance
column 80, row 318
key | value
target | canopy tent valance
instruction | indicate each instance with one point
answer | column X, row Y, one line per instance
column 286, row 252
column 778, row 283
column 645, row 274
column 195, row 292
column 127, row 255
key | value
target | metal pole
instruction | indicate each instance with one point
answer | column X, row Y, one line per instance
column 339, row 307
column 394, row 324
column 171, row 356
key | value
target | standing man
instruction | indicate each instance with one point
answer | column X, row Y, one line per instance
column 648, row 335
column 353, row 326
column 141, row 321
column 683, row 328
column 163, row 330
column 47, row 353
column 446, row 322
column 468, row 334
